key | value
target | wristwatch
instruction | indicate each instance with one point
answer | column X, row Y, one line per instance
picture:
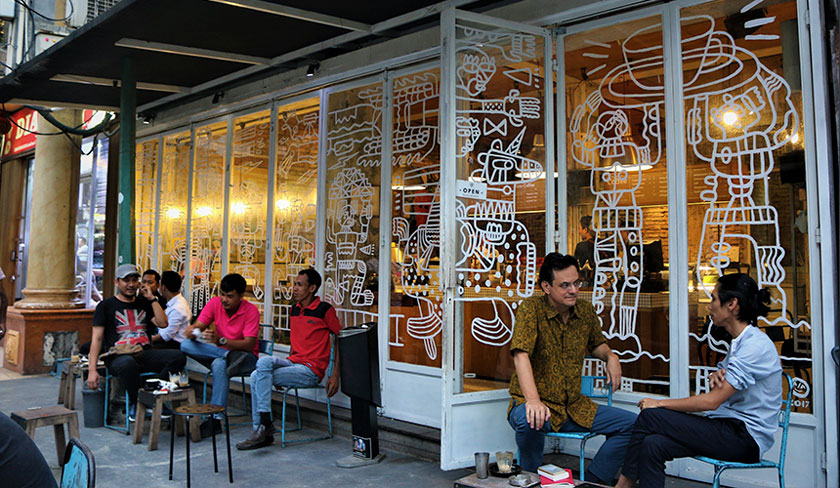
column 222, row 341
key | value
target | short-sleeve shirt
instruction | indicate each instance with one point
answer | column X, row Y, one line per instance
column 310, row 330
column 245, row 322
column 556, row 351
column 124, row 322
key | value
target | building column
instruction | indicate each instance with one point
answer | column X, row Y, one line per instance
column 51, row 266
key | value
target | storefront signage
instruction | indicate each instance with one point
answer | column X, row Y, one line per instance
column 22, row 136
column 472, row 189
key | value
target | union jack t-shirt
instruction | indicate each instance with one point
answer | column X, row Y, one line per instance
column 124, row 323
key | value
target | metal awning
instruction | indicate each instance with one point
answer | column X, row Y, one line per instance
column 189, row 48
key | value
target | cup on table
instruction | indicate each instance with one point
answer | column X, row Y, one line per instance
column 504, row 461
column 183, row 379
column 482, row 460
column 151, row 385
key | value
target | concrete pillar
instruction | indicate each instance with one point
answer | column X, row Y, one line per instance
column 50, row 275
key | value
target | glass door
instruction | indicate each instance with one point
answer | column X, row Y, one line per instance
column 497, row 169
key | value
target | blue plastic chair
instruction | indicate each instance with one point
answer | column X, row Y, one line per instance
column 587, row 387
column 784, row 423
column 79, row 468
column 127, row 429
column 286, row 390
column 265, row 346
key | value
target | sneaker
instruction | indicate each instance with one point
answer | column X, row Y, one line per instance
column 165, row 413
column 259, row 438
column 131, row 413
column 210, row 426
column 234, row 359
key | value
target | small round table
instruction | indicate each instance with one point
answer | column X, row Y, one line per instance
column 190, row 411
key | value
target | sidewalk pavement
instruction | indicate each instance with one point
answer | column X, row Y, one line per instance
column 304, row 465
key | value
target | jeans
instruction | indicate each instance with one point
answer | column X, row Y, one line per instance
column 276, row 371
column 615, row 423
column 661, row 435
column 127, row 367
column 213, row 357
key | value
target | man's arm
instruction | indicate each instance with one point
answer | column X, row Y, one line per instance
column 188, row 332
column 95, row 349
column 605, row 354
column 535, row 410
column 696, row 403
column 332, row 381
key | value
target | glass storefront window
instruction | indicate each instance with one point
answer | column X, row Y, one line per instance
column 618, row 191
column 174, row 197
column 415, row 307
column 145, row 188
column 90, row 219
column 248, row 202
column 745, row 171
column 500, row 151
column 353, row 154
column 207, row 214
column 295, row 200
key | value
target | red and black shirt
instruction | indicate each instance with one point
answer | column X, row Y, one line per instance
column 310, row 334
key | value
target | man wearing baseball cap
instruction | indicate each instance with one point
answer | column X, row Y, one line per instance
column 122, row 328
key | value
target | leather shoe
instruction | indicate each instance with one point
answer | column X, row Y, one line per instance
column 259, row 438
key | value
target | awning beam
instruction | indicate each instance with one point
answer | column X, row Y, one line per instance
column 92, row 80
column 295, row 13
column 190, row 51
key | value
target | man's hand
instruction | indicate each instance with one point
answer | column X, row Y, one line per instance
column 536, row 413
column 716, row 378
column 649, row 403
column 332, row 385
column 147, row 293
column 210, row 336
column 614, row 371
column 93, row 378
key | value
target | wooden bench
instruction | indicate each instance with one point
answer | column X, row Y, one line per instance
column 67, row 386
column 146, row 399
column 57, row 416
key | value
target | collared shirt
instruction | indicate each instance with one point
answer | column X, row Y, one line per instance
column 245, row 322
column 178, row 317
column 754, row 370
column 310, row 330
column 556, row 351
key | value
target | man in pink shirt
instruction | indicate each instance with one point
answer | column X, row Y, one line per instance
column 230, row 350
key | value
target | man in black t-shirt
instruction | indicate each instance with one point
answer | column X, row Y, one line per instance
column 125, row 322
column 151, row 280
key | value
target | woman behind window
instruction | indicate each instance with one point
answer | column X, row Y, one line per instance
column 742, row 403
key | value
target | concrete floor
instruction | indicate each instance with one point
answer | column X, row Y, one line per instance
column 312, row 464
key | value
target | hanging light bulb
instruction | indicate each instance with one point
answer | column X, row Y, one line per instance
column 730, row 117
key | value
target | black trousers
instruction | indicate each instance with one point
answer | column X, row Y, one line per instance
column 661, row 435
column 128, row 367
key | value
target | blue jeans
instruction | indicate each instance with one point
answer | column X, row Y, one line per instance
column 213, row 357
column 276, row 371
column 615, row 423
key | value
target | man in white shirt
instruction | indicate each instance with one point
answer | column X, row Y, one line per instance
column 178, row 313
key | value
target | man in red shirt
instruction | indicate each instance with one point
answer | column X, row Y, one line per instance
column 229, row 350
column 312, row 323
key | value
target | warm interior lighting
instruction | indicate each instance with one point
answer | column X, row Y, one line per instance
column 173, row 213
column 795, row 138
column 204, row 211
column 409, row 187
column 730, row 117
column 238, row 208
column 477, row 179
column 282, row 204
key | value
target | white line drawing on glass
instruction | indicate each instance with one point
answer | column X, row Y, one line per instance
column 605, row 142
column 497, row 260
column 295, row 206
column 417, row 197
column 248, row 203
column 145, row 189
column 174, row 195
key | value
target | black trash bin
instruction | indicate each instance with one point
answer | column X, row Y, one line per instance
column 359, row 367
column 93, row 406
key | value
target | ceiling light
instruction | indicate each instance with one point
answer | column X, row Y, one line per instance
column 203, row 211
column 795, row 138
column 282, row 204
column 173, row 213
column 238, row 208
column 730, row 117
column 409, row 187
column 310, row 71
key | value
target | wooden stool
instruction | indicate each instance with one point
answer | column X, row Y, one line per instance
column 56, row 416
column 147, row 398
column 67, row 386
column 190, row 411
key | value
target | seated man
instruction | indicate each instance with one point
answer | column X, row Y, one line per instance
column 551, row 336
column 178, row 313
column 229, row 350
column 122, row 326
column 311, row 323
column 151, row 279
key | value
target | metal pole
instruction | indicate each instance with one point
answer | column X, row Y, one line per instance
column 125, row 200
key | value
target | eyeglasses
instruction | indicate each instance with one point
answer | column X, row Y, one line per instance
column 566, row 285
